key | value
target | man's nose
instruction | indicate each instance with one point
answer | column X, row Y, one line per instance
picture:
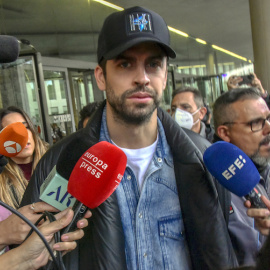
column 141, row 77
column 266, row 128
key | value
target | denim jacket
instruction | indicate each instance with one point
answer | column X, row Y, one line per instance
column 152, row 220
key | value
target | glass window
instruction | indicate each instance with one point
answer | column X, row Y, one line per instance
column 54, row 110
column 59, row 113
column 18, row 87
column 65, row 109
column 51, row 92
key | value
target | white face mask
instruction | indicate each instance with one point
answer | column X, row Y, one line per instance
column 184, row 118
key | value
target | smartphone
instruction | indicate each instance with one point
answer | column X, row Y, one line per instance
column 247, row 79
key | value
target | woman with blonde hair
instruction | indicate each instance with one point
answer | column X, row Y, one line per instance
column 14, row 179
column 18, row 171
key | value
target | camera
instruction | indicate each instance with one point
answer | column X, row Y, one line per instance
column 247, row 79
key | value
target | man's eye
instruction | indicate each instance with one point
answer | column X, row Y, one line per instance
column 257, row 122
column 125, row 64
column 154, row 64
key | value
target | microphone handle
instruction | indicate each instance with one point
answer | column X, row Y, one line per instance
column 254, row 196
column 79, row 212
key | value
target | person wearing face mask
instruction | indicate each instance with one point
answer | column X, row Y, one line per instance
column 188, row 110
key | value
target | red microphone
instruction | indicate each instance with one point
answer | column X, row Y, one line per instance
column 13, row 139
column 97, row 174
column 95, row 177
column 84, row 177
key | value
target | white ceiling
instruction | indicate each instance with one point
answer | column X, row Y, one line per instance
column 69, row 28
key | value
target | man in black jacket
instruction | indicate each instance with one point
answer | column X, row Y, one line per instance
column 166, row 213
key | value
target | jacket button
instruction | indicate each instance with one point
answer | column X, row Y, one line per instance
column 128, row 177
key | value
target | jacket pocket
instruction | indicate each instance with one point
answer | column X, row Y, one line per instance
column 173, row 243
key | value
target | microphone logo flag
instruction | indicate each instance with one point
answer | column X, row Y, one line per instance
column 232, row 169
column 55, row 192
column 12, row 147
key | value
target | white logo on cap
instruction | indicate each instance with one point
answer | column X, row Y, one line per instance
column 12, row 147
column 140, row 22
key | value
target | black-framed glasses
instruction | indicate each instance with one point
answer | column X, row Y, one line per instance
column 255, row 125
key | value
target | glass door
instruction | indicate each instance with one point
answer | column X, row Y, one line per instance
column 58, row 100
column 18, row 87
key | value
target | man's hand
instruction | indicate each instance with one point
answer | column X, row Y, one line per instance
column 257, row 84
column 260, row 215
column 233, row 81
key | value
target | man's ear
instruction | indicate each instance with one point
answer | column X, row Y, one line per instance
column 100, row 78
column 224, row 133
column 202, row 112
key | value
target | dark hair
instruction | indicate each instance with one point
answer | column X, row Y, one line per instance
column 221, row 109
column 87, row 111
column 198, row 99
column 102, row 64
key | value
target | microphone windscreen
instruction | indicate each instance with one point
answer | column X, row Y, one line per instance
column 70, row 156
column 9, row 49
column 97, row 174
column 13, row 139
column 231, row 167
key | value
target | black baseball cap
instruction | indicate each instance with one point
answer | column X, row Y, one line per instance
column 124, row 29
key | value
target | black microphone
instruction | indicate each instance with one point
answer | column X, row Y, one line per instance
column 9, row 49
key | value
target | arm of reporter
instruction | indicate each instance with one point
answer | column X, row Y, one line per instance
column 233, row 82
column 32, row 254
column 260, row 215
column 257, row 83
column 13, row 230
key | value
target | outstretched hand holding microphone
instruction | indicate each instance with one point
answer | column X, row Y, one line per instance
column 260, row 215
column 32, row 254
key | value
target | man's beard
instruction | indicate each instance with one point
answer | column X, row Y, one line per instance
column 130, row 115
column 257, row 158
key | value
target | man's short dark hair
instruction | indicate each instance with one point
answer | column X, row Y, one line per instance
column 222, row 111
column 198, row 99
column 87, row 111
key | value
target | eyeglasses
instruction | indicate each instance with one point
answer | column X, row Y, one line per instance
column 255, row 125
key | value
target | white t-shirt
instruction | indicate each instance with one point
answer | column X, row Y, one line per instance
column 139, row 159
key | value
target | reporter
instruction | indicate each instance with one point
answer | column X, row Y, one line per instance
column 16, row 174
column 261, row 216
column 32, row 254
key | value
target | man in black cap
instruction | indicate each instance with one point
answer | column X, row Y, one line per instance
column 165, row 214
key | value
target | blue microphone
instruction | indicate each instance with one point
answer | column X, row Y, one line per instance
column 234, row 170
